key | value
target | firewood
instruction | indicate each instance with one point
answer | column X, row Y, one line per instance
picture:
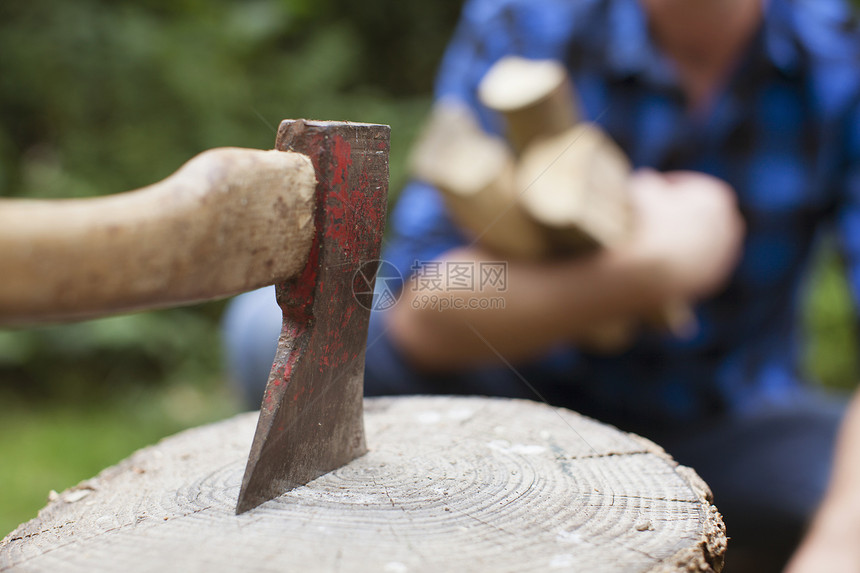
column 475, row 173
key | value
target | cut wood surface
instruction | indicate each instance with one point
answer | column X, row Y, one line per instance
column 535, row 96
column 449, row 484
column 230, row 220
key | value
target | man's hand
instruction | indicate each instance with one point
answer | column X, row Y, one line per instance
column 689, row 228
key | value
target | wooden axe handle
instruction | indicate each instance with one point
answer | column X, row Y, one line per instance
column 228, row 221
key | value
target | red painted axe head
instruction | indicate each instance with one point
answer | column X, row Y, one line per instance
column 311, row 416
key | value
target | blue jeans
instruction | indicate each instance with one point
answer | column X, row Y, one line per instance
column 768, row 471
column 250, row 328
column 767, row 468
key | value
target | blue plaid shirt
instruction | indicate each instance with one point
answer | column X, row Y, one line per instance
column 785, row 133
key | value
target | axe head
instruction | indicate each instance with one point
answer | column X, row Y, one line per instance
column 311, row 417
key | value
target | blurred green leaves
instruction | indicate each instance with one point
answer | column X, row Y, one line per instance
column 830, row 353
column 99, row 360
column 98, row 97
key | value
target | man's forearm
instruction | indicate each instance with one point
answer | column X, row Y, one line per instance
column 831, row 543
column 845, row 484
column 543, row 304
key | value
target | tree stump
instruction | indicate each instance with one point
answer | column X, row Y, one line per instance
column 449, row 484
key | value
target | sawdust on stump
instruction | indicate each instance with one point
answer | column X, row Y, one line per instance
column 449, row 484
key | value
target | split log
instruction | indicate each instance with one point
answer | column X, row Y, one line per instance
column 475, row 173
column 535, row 96
column 449, row 484
column 575, row 184
column 572, row 179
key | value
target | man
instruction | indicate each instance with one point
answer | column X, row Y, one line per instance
column 741, row 106
column 747, row 114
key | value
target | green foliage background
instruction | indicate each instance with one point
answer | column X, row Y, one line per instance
column 98, row 97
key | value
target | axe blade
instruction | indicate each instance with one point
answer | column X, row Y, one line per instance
column 311, row 417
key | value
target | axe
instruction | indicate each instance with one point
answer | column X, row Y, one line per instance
column 307, row 217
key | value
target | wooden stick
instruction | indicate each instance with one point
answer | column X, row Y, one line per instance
column 208, row 231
